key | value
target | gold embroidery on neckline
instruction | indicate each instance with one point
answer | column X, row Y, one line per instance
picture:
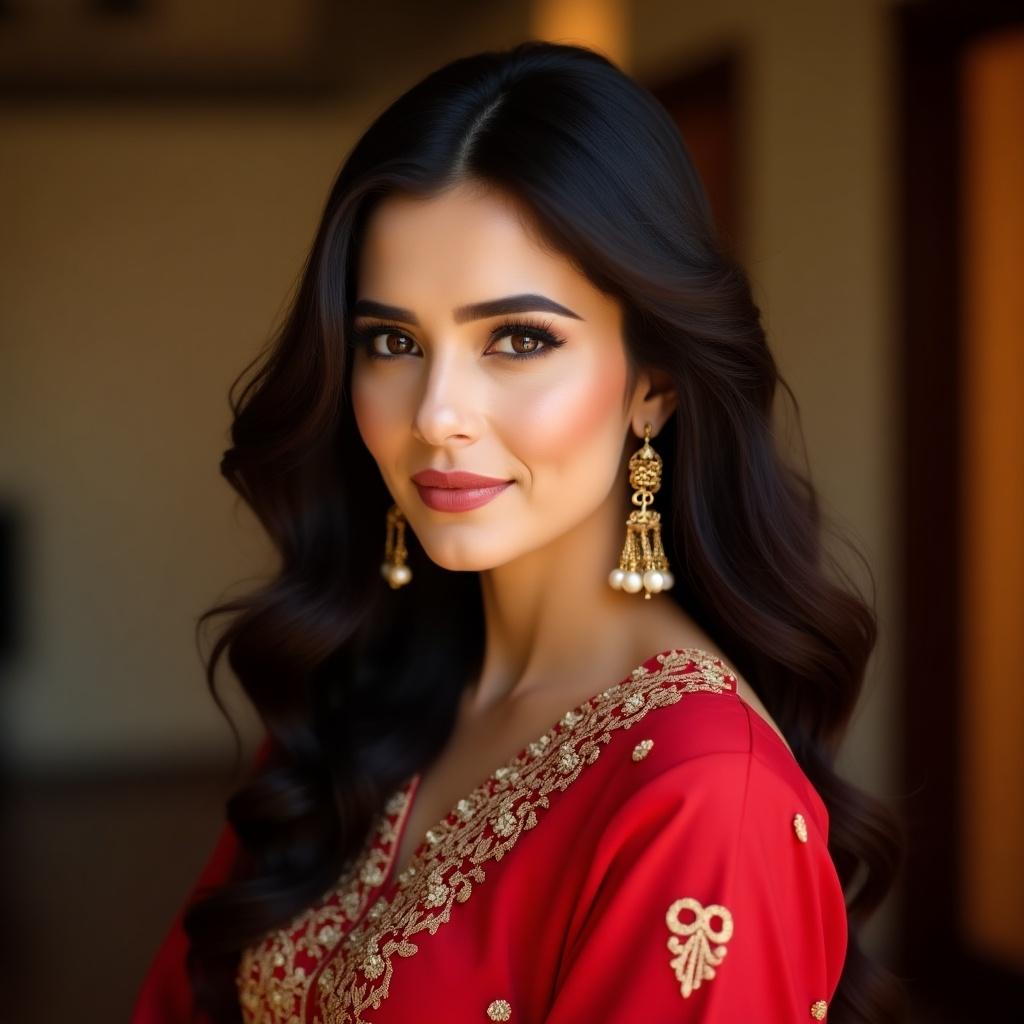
column 273, row 986
column 489, row 821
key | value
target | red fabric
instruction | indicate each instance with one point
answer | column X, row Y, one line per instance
column 718, row 829
column 642, row 864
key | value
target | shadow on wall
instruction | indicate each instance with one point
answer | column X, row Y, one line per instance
column 92, row 867
column 11, row 617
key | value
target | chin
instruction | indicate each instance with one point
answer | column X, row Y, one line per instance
column 461, row 557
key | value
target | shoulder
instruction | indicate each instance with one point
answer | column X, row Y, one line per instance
column 712, row 841
column 690, row 733
column 726, row 805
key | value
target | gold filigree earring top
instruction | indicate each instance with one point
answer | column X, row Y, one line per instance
column 643, row 564
column 393, row 568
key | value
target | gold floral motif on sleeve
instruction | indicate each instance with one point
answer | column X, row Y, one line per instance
column 695, row 959
column 486, row 824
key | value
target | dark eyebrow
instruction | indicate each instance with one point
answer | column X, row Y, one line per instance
column 474, row 311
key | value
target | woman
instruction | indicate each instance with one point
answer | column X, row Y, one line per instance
column 570, row 759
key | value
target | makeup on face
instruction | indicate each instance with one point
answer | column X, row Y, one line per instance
column 458, row 498
column 483, row 361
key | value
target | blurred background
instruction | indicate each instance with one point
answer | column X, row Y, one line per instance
column 163, row 164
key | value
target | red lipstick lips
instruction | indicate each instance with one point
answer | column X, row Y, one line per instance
column 457, row 491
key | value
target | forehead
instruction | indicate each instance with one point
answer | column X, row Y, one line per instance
column 467, row 244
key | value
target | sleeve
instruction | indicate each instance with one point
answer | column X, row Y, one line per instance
column 712, row 898
column 165, row 995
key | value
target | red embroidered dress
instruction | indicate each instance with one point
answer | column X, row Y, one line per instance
column 657, row 855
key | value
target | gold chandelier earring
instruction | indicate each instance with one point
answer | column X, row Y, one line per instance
column 393, row 568
column 642, row 564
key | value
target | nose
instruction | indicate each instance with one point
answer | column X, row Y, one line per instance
column 445, row 412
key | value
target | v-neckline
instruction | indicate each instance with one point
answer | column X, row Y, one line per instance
column 412, row 785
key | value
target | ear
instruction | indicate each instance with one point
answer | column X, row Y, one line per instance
column 654, row 400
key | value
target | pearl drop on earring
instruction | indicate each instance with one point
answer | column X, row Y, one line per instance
column 396, row 575
column 643, row 564
column 393, row 568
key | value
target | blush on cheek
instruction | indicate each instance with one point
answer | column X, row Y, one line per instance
column 559, row 423
column 371, row 418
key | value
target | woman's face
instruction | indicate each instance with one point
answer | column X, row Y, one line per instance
column 440, row 381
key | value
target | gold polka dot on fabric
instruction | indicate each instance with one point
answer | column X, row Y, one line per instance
column 818, row 1009
column 642, row 749
column 500, row 1009
column 800, row 828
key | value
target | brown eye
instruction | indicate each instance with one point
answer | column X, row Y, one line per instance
column 397, row 343
column 523, row 343
column 526, row 340
column 402, row 346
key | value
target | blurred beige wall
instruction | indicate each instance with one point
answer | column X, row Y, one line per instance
column 147, row 256
column 149, row 251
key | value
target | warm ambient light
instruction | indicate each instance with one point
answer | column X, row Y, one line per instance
column 600, row 24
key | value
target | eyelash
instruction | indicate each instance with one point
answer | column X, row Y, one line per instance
column 363, row 338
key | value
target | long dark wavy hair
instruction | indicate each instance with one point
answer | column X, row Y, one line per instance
column 356, row 684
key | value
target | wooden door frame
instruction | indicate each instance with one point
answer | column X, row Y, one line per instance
column 931, row 39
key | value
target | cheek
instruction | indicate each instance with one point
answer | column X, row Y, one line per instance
column 569, row 425
column 374, row 417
